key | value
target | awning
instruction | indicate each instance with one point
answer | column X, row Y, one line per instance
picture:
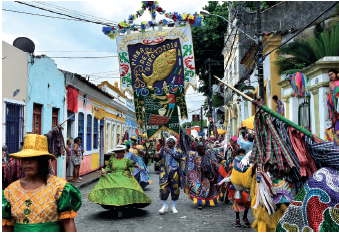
column 249, row 123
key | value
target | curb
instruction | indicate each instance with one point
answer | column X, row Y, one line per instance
column 80, row 186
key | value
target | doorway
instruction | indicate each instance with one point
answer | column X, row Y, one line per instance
column 102, row 143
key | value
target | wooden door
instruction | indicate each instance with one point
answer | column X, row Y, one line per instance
column 37, row 108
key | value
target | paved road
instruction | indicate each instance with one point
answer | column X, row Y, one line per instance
column 92, row 217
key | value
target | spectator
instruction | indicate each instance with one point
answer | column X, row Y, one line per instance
column 245, row 140
column 334, row 76
column 280, row 109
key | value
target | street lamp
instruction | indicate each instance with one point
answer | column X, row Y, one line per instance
column 207, row 14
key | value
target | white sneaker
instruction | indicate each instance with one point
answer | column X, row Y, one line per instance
column 163, row 209
column 79, row 178
column 174, row 210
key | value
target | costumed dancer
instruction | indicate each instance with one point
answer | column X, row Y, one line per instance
column 39, row 202
column 316, row 206
column 202, row 177
column 241, row 200
column 171, row 176
column 117, row 188
column 139, row 173
column 138, row 150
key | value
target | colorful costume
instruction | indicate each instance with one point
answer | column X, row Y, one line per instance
column 280, row 107
column 119, row 188
column 150, row 153
column 316, row 206
column 201, row 183
column 141, row 162
column 171, row 177
column 139, row 175
column 40, row 209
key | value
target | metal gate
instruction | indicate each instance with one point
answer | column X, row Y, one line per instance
column 304, row 114
column 14, row 126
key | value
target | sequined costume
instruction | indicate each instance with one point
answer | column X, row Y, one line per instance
column 316, row 206
column 171, row 177
column 202, row 190
column 40, row 209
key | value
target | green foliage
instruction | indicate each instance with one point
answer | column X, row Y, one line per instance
column 195, row 123
column 302, row 53
column 318, row 29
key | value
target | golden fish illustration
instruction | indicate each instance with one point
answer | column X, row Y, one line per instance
column 162, row 67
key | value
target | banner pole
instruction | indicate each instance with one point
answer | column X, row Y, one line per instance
column 271, row 112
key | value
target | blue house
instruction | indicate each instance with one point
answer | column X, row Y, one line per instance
column 45, row 100
column 130, row 119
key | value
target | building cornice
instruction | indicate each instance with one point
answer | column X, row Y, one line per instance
column 321, row 67
column 286, row 84
column 315, row 88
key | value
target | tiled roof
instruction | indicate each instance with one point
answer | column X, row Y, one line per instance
column 84, row 80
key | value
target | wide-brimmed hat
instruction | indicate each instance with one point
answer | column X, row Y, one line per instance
column 171, row 138
column 134, row 138
column 34, row 145
column 119, row 148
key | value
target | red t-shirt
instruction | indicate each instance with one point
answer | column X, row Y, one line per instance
column 169, row 97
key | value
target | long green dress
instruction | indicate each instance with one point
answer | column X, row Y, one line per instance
column 119, row 188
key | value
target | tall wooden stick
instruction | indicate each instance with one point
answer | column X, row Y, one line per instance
column 66, row 120
column 268, row 110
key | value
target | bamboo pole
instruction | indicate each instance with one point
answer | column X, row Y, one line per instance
column 66, row 120
column 270, row 111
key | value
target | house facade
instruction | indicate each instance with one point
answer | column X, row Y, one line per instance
column 14, row 95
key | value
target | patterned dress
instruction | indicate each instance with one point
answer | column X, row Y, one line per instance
column 40, row 209
column 139, row 175
column 199, row 188
column 119, row 187
column 141, row 162
column 77, row 157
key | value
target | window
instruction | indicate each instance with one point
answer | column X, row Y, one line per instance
column 14, row 126
column 108, row 137
column 113, row 137
column 55, row 114
column 304, row 114
column 81, row 128
column 95, row 133
column 89, row 133
column 37, row 108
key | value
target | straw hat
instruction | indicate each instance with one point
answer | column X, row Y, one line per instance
column 134, row 138
column 34, row 145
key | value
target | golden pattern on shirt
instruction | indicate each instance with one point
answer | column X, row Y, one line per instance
column 42, row 201
column 135, row 151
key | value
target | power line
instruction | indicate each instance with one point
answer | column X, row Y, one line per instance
column 42, row 15
column 72, row 11
column 44, row 9
column 85, row 57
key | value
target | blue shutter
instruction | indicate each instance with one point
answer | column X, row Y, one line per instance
column 89, row 132
column 95, row 133
column 81, row 128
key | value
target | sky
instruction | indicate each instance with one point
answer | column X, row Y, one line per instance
column 51, row 36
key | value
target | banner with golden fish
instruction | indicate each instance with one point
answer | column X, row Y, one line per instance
column 157, row 67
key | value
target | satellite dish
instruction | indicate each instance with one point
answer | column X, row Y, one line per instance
column 24, row 44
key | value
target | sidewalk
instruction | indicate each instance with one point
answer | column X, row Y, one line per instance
column 86, row 179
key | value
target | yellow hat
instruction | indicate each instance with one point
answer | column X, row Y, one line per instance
column 34, row 145
column 134, row 138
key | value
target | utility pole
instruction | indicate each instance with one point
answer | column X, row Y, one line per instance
column 201, row 121
column 210, row 96
column 260, row 54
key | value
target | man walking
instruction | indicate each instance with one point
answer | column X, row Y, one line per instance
column 171, row 177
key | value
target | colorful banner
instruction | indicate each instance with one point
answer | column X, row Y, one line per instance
column 157, row 67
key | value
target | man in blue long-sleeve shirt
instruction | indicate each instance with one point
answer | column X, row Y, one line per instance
column 171, row 177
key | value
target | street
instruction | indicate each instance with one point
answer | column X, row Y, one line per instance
column 92, row 217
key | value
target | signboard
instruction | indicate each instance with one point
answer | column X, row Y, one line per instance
column 196, row 117
column 210, row 119
column 157, row 67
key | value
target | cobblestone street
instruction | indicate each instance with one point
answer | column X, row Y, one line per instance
column 92, row 217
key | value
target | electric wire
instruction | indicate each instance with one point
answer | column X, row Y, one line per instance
column 41, row 8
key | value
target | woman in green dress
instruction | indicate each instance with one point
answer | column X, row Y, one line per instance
column 117, row 188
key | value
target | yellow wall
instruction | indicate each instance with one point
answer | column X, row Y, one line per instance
column 275, row 79
column 95, row 161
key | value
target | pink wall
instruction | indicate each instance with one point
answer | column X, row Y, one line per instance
column 86, row 164
column 81, row 104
